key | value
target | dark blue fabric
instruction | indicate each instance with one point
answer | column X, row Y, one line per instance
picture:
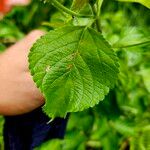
column 24, row 132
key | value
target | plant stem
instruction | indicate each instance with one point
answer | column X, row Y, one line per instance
column 97, row 22
column 66, row 10
column 132, row 45
column 96, row 11
column 99, row 5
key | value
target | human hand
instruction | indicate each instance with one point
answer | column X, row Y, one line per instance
column 18, row 93
column 6, row 5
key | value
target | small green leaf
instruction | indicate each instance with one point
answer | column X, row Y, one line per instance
column 77, row 5
column 74, row 67
column 146, row 3
column 145, row 73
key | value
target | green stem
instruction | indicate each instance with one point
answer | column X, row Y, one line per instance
column 132, row 45
column 99, row 5
column 97, row 22
column 96, row 8
column 66, row 10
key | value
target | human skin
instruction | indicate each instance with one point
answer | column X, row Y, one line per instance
column 18, row 92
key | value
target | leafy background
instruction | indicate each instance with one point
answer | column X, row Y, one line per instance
column 122, row 120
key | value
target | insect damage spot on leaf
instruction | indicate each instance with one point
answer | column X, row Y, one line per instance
column 69, row 66
column 47, row 69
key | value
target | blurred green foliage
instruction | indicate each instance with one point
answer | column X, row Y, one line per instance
column 1, row 133
column 122, row 120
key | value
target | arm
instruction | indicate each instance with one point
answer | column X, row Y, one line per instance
column 18, row 93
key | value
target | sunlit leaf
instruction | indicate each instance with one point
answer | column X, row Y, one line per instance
column 143, row 2
column 74, row 67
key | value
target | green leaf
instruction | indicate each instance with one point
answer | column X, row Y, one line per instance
column 74, row 67
column 146, row 3
column 145, row 73
column 2, row 47
column 77, row 5
column 54, row 144
column 140, row 141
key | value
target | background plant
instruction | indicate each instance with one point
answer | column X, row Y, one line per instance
column 121, row 120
